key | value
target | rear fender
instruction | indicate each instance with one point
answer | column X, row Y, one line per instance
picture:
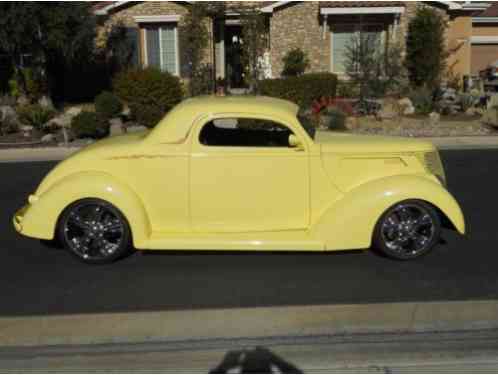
column 40, row 219
column 349, row 223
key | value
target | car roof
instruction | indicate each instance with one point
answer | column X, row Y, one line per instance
column 175, row 126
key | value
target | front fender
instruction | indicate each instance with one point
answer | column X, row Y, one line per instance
column 349, row 223
column 39, row 219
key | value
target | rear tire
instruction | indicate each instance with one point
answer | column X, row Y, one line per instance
column 408, row 230
column 94, row 231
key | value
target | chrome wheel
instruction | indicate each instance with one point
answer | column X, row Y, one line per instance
column 94, row 231
column 409, row 230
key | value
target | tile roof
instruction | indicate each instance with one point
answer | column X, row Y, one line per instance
column 324, row 4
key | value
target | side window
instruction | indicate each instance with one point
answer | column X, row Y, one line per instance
column 243, row 132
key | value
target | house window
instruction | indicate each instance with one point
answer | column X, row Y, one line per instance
column 341, row 39
column 161, row 43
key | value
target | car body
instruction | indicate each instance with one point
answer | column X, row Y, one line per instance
column 176, row 192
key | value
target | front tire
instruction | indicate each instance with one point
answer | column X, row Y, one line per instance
column 408, row 230
column 94, row 231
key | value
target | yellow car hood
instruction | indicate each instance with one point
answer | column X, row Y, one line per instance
column 351, row 143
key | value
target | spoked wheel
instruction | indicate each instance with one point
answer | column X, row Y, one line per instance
column 94, row 231
column 408, row 230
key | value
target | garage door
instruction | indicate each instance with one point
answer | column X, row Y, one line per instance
column 482, row 56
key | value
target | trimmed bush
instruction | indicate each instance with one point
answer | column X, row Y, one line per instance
column 35, row 115
column 150, row 93
column 302, row 90
column 90, row 125
column 108, row 105
column 423, row 101
column 295, row 63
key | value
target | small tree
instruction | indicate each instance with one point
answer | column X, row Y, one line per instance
column 295, row 63
column 425, row 48
column 374, row 68
column 255, row 42
column 194, row 43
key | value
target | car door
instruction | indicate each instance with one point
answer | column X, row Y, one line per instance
column 243, row 182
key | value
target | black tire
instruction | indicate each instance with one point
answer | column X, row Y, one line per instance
column 408, row 230
column 94, row 231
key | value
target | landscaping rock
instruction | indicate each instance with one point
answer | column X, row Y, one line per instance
column 407, row 106
column 6, row 112
column 434, row 118
column 62, row 121
column 22, row 101
column 471, row 112
column 47, row 138
column 116, row 127
column 126, row 112
column 46, row 102
column 73, row 111
column 26, row 130
column 135, row 129
column 490, row 117
column 449, row 95
column 390, row 110
column 492, row 102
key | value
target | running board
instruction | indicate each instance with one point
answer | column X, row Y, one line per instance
column 276, row 241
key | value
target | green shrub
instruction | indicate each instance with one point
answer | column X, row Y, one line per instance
column 423, row 100
column 335, row 119
column 150, row 93
column 295, row 63
column 467, row 101
column 34, row 83
column 302, row 90
column 89, row 125
column 347, row 90
column 108, row 105
column 35, row 115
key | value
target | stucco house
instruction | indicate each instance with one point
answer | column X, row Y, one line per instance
column 320, row 28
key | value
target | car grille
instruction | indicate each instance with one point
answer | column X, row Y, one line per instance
column 433, row 164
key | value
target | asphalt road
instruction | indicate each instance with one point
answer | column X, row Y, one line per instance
column 39, row 280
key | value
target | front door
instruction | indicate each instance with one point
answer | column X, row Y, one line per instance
column 245, row 177
column 234, row 68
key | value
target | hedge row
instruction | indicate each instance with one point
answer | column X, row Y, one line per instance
column 150, row 93
column 302, row 90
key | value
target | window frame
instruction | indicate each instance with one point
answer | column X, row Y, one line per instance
column 177, row 50
column 299, row 133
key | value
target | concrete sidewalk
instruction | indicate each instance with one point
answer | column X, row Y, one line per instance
column 60, row 153
column 247, row 323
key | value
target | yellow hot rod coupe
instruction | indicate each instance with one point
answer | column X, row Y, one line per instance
column 243, row 173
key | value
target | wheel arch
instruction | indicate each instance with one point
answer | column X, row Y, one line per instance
column 358, row 212
column 43, row 215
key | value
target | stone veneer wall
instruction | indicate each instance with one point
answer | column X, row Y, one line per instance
column 125, row 16
column 298, row 26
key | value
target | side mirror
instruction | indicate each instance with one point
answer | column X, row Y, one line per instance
column 295, row 142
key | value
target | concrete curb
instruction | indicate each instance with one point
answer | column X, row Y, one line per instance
column 258, row 323
column 15, row 155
